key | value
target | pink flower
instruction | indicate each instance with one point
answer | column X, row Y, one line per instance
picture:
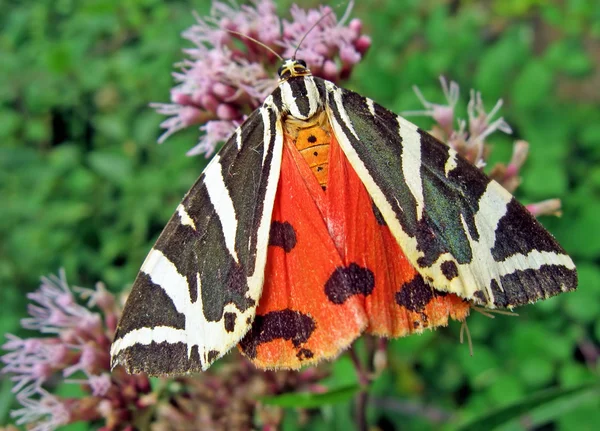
column 547, row 207
column 480, row 122
column 468, row 138
column 226, row 76
column 442, row 114
column 470, row 144
column 32, row 361
column 55, row 309
column 46, row 413
column 214, row 133
column 79, row 344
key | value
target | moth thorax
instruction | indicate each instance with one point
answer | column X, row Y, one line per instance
column 300, row 97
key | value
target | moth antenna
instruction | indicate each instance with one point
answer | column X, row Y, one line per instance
column 346, row 14
column 464, row 328
column 258, row 42
column 490, row 313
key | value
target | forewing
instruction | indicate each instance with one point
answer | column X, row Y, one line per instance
column 196, row 294
column 462, row 231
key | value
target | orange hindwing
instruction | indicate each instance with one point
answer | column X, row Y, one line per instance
column 333, row 268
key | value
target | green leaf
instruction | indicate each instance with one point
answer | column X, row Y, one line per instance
column 536, row 371
column 584, row 306
column 537, row 410
column 570, row 57
column 532, row 86
column 113, row 167
column 310, row 400
column 6, row 397
column 499, row 63
column 584, row 233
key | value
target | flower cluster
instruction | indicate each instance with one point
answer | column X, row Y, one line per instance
column 77, row 326
column 228, row 73
column 74, row 350
column 468, row 138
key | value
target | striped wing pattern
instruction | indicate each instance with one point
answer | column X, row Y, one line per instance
column 462, row 231
column 197, row 292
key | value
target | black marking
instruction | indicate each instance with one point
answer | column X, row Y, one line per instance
column 449, row 269
column 287, row 324
column 300, row 93
column 348, row 281
column 379, row 146
column 304, row 354
column 479, row 297
column 415, row 294
column 324, row 188
column 282, row 235
column 212, row 355
column 277, row 98
column 378, row 215
column 319, row 169
column 232, row 280
column 518, row 232
column 171, row 245
column 316, row 153
column 447, row 198
column 312, row 139
column 268, row 171
column 148, row 306
column 159, row 359
column 229, row 319
column 526, row 286
column 447, row 201
column 199, row 251
column 246, row 178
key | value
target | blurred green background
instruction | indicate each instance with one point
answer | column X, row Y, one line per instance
column 84, row 186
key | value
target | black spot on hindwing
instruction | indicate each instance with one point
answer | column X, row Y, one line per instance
column 304, row 354
column 414, row 295
column 282, row 235
column 348, row 281
column 286, row 324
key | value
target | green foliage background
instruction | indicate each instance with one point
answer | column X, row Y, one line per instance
column 84, row 186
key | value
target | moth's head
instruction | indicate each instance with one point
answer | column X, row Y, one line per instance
column 291, row 68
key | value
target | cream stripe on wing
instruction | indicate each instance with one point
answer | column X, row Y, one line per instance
column 220, row 198
column 411, row 161
column 145, row 336
column 186, row 220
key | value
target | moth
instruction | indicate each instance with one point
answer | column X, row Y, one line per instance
column 325, row 216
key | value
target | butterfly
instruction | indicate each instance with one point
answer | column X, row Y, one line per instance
column 324, row 216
